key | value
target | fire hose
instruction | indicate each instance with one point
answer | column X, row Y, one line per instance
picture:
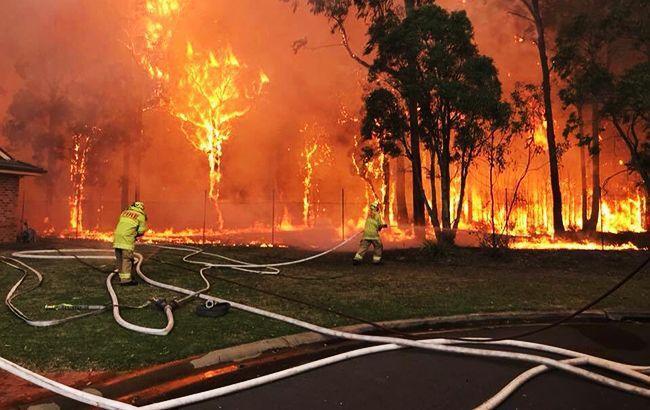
column 443, row 345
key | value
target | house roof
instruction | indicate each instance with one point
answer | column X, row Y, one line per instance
column 10, row 165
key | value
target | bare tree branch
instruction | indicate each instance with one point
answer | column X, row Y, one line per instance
column 346, row 44
column 523, row 16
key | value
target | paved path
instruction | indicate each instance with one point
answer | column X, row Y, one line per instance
column 414, row 379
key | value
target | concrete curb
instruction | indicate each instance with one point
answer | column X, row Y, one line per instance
column 127, row 387
column 254, row 349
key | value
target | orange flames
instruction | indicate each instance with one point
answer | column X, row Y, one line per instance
column 159, row 21
column 81, row 144
column 315, row 152
column 210, row 89
column 207, row 100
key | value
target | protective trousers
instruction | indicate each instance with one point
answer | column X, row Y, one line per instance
column 124, row 263
column 364, row 245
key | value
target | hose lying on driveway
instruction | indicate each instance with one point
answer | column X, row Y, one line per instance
column 441, row 345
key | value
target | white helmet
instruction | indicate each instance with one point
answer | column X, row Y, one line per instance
column 139, row 205
column 374, row 206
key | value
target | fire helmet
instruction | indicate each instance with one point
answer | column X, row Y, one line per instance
column 374, row 206
column 139, row 205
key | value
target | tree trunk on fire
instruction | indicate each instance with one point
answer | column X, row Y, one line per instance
column 594, row 150
column 647, row 206
column 416, row 166
column 434, row 192
column 386, row 199
column 400, row 192
column 583, row 173
column 416, row 161
column 445, row 191
column 558, row 223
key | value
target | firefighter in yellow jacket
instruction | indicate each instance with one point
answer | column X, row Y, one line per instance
column 131, row 225
column 373, row 225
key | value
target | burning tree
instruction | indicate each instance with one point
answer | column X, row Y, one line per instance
column 582, row 60
column 83, row 139
column 376, row 13
column 159, row 21
column 628, row 109
column 433, row 59
column 383, row 131
column 315, row 152
column 536, row 14
column 525, row 113
column 603, row 57
column 148, row 37
column 208, row 98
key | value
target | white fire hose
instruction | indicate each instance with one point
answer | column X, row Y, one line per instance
column 387, row 343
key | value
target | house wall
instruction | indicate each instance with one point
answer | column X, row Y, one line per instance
column 8, row 207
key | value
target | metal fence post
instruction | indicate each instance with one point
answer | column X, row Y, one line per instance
column 205, row 210
column 342, row 214
column 273, row 218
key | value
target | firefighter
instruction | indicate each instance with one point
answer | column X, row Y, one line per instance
column 131, row 225
column 374, row 224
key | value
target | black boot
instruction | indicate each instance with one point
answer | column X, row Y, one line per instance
column 129, row 283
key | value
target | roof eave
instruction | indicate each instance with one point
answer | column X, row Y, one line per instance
column 22, row 173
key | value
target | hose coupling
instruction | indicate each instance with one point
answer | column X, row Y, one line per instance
column 159, row 303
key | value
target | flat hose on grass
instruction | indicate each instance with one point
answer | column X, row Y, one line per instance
column 115, row 305
column 296, row 300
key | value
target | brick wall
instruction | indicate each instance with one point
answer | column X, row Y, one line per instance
column 8, row 207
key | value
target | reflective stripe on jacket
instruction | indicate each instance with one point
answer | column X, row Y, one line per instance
column 372, row 226
column 132, row 223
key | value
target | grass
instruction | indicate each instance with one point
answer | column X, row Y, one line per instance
column 412, row 283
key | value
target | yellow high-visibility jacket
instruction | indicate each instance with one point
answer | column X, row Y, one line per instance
column 132, row 223
column 372, row 227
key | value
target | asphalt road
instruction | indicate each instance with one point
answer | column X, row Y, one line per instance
column 414, row 379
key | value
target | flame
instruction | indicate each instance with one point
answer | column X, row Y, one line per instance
column 531, row 214
column 81, row 145
column 315, row 152
column 159, row 20
column 554, row 243
column 539, row 137
column 208, row 100
column 624, row 215
column 371, row 170
column 285, row 223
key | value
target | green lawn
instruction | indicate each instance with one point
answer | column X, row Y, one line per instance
column 412, row 283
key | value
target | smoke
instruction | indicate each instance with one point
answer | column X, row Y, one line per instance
column 80, row 49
